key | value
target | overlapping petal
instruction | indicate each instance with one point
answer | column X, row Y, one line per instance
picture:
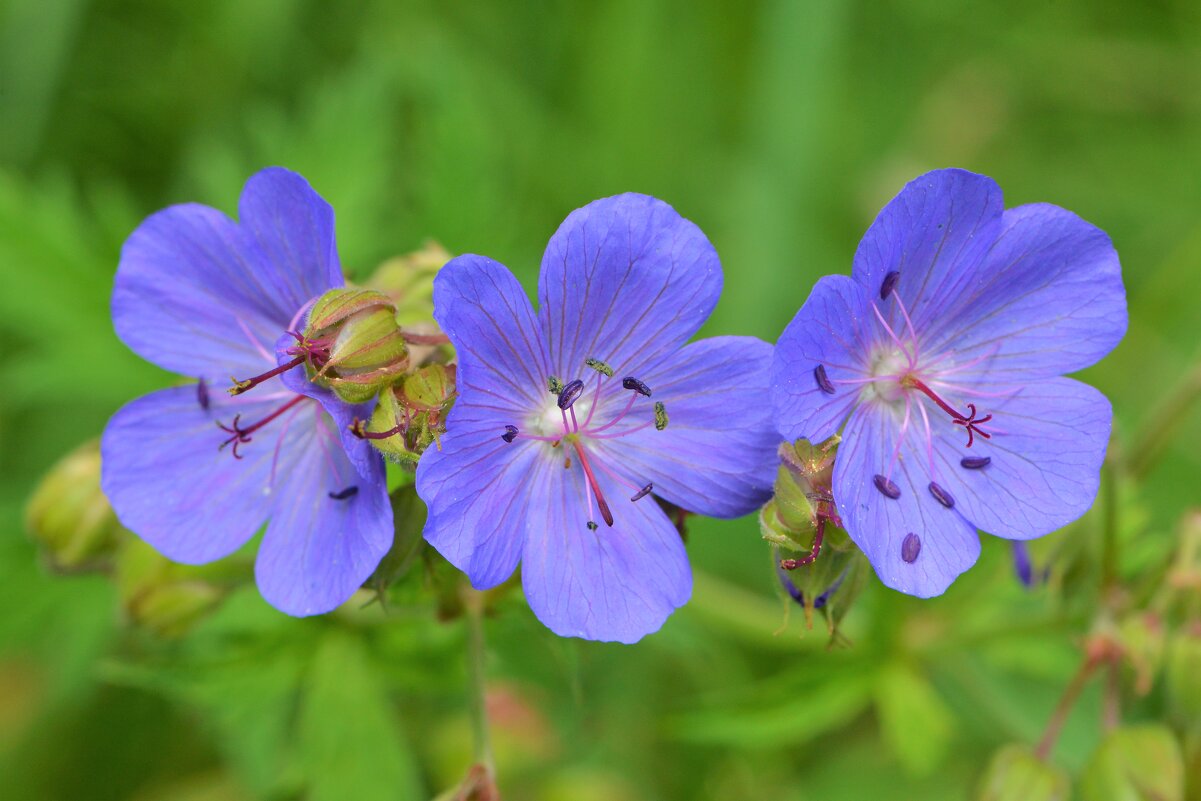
column 1048, row 443
column 946, row 545
column 318, row 548
column 169, row 483
column 483, row 493
column 717, row 455
column 487, row 315
column 365, row 458
column 1048, row 300
column 201, row 295
column 616, row 583
column 626, row 280
column 936, row 234
column 832, row 331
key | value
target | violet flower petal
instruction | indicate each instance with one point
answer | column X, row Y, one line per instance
column 1048, row 443
column 879, row 525
column 168, row 482
column 616, row 583
column 1048, row 300
column 830, row 331
column 626, row 280
column 318, row 549
column 717, row 456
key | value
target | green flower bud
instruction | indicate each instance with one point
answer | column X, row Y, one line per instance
column 408, row 281
column 803, row 479
column 1182, row 677
column 1017, row 774
column 68, row 515
column 1141, row 637
column 411, row 414
column 1137, row 763
column 360, row 345
column 169, row 599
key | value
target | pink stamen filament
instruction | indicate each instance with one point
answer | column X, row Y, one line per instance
column 629, row 405
column 908, row 324
column 894, row 336
column 595, row 401
column 606, row 515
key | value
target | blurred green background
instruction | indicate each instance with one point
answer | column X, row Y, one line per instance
column 780, row 128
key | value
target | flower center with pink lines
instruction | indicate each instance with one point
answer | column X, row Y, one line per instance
column 585, row 414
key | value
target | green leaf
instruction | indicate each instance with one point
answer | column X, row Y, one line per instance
column 1017, row 774
column 914, row 720
column 351, row 745
column 1139, row 763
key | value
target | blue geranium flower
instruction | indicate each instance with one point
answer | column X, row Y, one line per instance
column 569, row 417
column 194, row 471
column 940, row 358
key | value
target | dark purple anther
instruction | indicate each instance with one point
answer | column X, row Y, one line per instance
column 911, row 546
column 642, row 493
column 886, row 487
column 570, row 394
column 202, row 394
column 890, row 283
column 342, row 495
column 510, row 433
column 823, row 380
column 942, row 496
column 975, row 462
column 629, row 382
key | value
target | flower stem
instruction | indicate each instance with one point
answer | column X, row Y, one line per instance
column 1099, row 651
column 1064, row 707
column 473, row 602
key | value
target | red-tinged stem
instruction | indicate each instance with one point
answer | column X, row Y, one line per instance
column 819, row 534
column 592, row 482
column 250, row 383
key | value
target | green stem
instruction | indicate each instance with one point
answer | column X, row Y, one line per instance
column 473, row 602
column 1064, row 707
column 1163, row 420
column 1109, row 526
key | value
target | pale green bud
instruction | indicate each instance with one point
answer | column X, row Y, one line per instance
column 1017, row 774
column 1137, row 763
column 357, row 344
column 1182, row 677
column 1141, row 637
column 408, row 280
column 411, row 414
column 68, row 515
column 169, row 599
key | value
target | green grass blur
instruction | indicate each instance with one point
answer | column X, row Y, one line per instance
column 780, row 128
